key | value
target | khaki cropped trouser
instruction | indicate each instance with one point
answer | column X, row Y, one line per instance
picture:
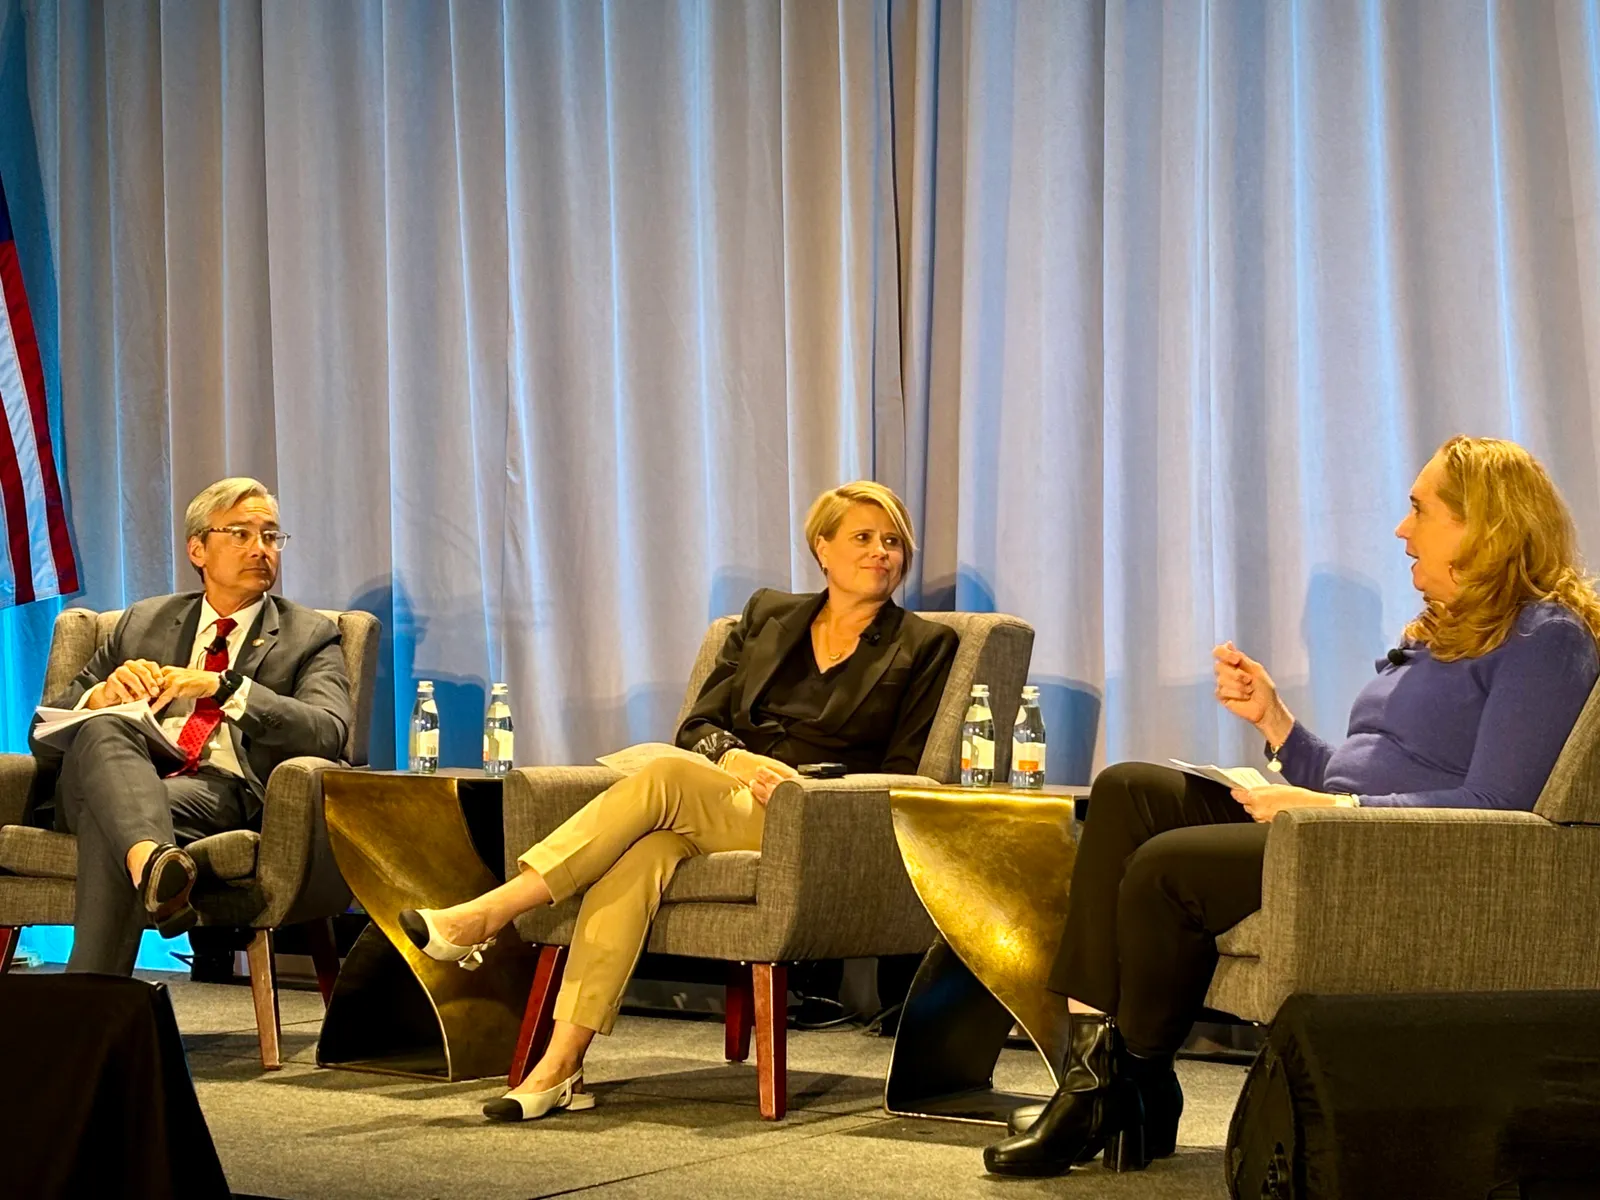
column 623, row 847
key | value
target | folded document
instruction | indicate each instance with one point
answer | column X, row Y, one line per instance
column 58, row 726
column 632, row 759
column 1233, row 777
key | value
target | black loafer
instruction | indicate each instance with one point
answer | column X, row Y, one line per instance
column 168, row 880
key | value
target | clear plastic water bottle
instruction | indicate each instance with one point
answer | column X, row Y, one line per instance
column 498, row 739
column 425, row 730
column 977, row 740
column 1027, row 742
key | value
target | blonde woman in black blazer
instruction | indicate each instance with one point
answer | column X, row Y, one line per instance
column 843, row 676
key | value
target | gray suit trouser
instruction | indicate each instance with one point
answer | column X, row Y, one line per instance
column 112, row 795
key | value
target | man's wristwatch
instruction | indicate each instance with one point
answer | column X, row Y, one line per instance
column 228, row 684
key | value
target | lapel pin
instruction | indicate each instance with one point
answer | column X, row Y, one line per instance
column 259, row 642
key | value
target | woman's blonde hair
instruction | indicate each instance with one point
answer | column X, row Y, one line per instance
column 828, row 510
column 1520, row 547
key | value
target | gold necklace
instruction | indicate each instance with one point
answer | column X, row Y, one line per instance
column 826, row 627
column 827, row 644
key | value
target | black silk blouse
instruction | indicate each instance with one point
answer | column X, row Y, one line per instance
column 872, row 712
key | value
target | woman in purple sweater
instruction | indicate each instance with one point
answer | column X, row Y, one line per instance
column 1471, row 711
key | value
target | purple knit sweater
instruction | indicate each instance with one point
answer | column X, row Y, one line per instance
column 1475, row 733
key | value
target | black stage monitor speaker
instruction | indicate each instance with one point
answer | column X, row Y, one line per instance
column 1481, row 1096
column 95, row 1094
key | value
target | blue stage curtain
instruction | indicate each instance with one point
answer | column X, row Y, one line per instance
column 547, row 320
column 1209, row 283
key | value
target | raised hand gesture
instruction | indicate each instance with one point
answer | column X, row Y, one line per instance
column 1246, row 690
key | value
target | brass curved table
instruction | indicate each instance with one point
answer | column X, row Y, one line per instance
column 401, row 841
column 991, row 866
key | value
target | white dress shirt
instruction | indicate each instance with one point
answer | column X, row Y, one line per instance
column 218, row 752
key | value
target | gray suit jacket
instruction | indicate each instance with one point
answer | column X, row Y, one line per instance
column 299, row 701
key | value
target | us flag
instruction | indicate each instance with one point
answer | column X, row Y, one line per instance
column 36, row 559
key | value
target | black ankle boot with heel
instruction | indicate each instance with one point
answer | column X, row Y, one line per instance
column 1095, row 1107
column 1160, row 1097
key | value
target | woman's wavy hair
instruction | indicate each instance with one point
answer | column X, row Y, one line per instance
column 1520, row 547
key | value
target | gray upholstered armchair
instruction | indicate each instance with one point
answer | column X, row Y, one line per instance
column 1427, row 900
column 827, row 883
column 283, row 875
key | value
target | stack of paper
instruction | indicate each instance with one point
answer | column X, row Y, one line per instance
column 1233, row 777
column 58, row 726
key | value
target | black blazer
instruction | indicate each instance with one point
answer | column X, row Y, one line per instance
column 881, row 705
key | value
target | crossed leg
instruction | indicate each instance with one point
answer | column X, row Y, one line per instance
column 620, row 850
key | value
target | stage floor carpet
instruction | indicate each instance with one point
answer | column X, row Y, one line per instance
column 673, row 1119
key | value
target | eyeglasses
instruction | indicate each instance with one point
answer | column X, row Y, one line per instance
column 240, row 537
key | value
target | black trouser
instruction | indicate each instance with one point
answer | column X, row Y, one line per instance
column 1166, row 861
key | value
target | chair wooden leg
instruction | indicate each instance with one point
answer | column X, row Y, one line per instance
column 264, row 991
column 534, row 1035
column 324, row 956
column 738, row 1005
column 10, row 935
column 770, row 982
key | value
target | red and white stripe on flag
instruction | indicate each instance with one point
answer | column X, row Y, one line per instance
column 36, row 559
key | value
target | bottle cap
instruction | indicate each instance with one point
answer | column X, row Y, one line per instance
column 424, row 685
column 1030, row 692
column 497, row 687
column 980, row 689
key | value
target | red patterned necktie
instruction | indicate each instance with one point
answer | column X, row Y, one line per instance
column 207, row 715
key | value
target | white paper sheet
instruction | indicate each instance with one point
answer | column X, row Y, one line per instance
column 1233, row 777
column 632, row 759
column 58, row 726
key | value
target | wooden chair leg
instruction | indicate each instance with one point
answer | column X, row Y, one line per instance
column 264, row 991
column 534, row 1035
column 738, row 1005
column 770, row 982
column 324, row 956
column 10, row 935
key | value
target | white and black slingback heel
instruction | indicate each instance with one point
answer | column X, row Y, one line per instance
column 530, row 1106
column 425, row 936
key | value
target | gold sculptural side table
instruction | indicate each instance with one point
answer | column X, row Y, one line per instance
column 992, row 867
column 402, row 841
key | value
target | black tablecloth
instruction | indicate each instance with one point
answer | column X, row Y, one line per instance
column 95, row 1094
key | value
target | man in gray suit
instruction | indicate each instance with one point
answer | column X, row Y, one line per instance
column 239, row 679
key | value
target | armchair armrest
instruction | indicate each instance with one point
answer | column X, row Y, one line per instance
column 1384, row 900
column 16, row 779
column 295, row 868
column 538, row 799
column 831, row 870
